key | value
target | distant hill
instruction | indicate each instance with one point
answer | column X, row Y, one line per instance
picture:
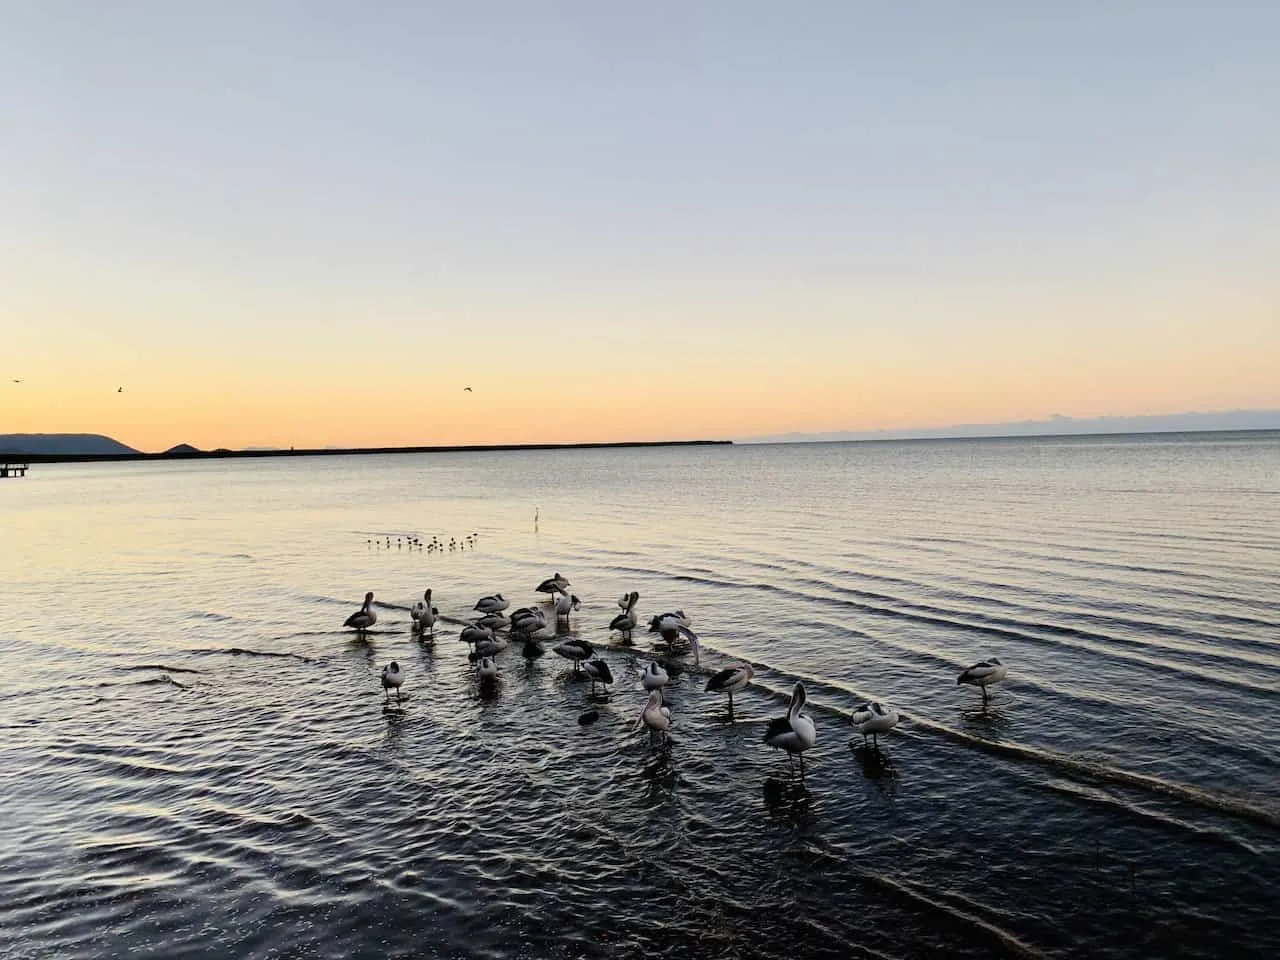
column 184, row 448
column 60, row 444
column 1057, row 425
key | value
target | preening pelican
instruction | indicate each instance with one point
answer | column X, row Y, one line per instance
column 553, row 585
column 494, row 621
column 424, row 615
column 598, row 671
column 528, row 621
column 575, row 650
column 364, row 618
column 874, row 718
column 674, row 628
column 982, row 674
column 655, row 716
column 625, row 622
column 564, row 604
column 488, row 647
column 488, row 669
column 794, row 733
column 729, row 680
column 492, row 604
column 654, row 677
column 472, row 634
column 392, row 678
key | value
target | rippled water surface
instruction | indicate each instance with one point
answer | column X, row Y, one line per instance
column 198, row 762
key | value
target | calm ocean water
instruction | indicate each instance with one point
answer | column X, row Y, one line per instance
column 198, row 763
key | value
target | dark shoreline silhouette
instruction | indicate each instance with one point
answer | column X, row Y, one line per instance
column 354, row 451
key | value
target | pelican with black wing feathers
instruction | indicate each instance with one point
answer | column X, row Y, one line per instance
column 795, row 732
column 364, row 618
column 983, row 674
column 729, row 680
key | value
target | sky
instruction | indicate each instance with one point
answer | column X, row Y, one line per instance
column 314, row 223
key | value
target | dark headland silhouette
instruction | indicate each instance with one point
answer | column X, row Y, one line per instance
column 84, row 447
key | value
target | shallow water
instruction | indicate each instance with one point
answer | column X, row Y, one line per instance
column 198, row 760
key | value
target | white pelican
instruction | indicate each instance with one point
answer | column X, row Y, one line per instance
column 392, row 678
column 655, row 716
column 553, row 585
column 874, row 718
column 424, row 614
column 731, row 679
column 794, row 733
column 564, row 604
column 598, row 671
column 673, row 627
column 654, row 677
column 471, row 634
column 488, row 669
column 492, row 604
column 364, row 618
column 625, row 601
column 981, row 674
column 625, row 622
column 575, row 650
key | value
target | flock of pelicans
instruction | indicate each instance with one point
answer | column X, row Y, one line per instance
column 493, row 630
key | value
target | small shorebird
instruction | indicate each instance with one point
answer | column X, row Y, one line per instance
column 364, row 618
column 874, row 718
column 564, row 605
column 795, row 732
column 654, row 677
column 729, row 680
column 424, row 615
column 492, row 604
column 655, row 716
column 625, row 622
column 575, row 650
column 392, row 678
column 983, row 674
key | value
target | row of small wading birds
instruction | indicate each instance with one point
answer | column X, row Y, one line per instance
column 493, row 630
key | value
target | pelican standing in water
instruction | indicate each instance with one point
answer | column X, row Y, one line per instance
column 654, row 677
column 599, row 672
column 488, row 669
column 655, row 716
column 575, row 650
column 729, row 680
column 794, row 733
column 674, row 628
column 625, row 622
column 424, row 615
column 364, row 618
column 981, row 674
column 564, row 605
column 495, row 603
column 471, row 635
column 874, row 718
column 553, row 585
column 392, row 678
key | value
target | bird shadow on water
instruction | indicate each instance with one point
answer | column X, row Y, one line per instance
column 787, row 797
column 985, row 720
column 876, row 765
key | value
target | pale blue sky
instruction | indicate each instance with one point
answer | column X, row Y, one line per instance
column 630, row 177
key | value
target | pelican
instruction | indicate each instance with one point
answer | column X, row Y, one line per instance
column 794, row 733
column 471, row 634
column 528, row 621
column 488, row 647
column 625, row 600
column 494, row 621
column 874, row 718
column 553, row 585
column 981, row 674
column 424, row 614
column 492, row 604
column 564, row 604
column 654, row 677
column 488, row 669
column 575, row 650
column 655, row 716
column 673, row 627
column 731, row 679
column 625, row 622
column 599, row 672
column 392, row 678
column 364, row 618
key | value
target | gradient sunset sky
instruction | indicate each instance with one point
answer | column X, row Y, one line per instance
column 313, row 223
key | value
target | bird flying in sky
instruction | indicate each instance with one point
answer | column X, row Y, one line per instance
column 467, row 390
